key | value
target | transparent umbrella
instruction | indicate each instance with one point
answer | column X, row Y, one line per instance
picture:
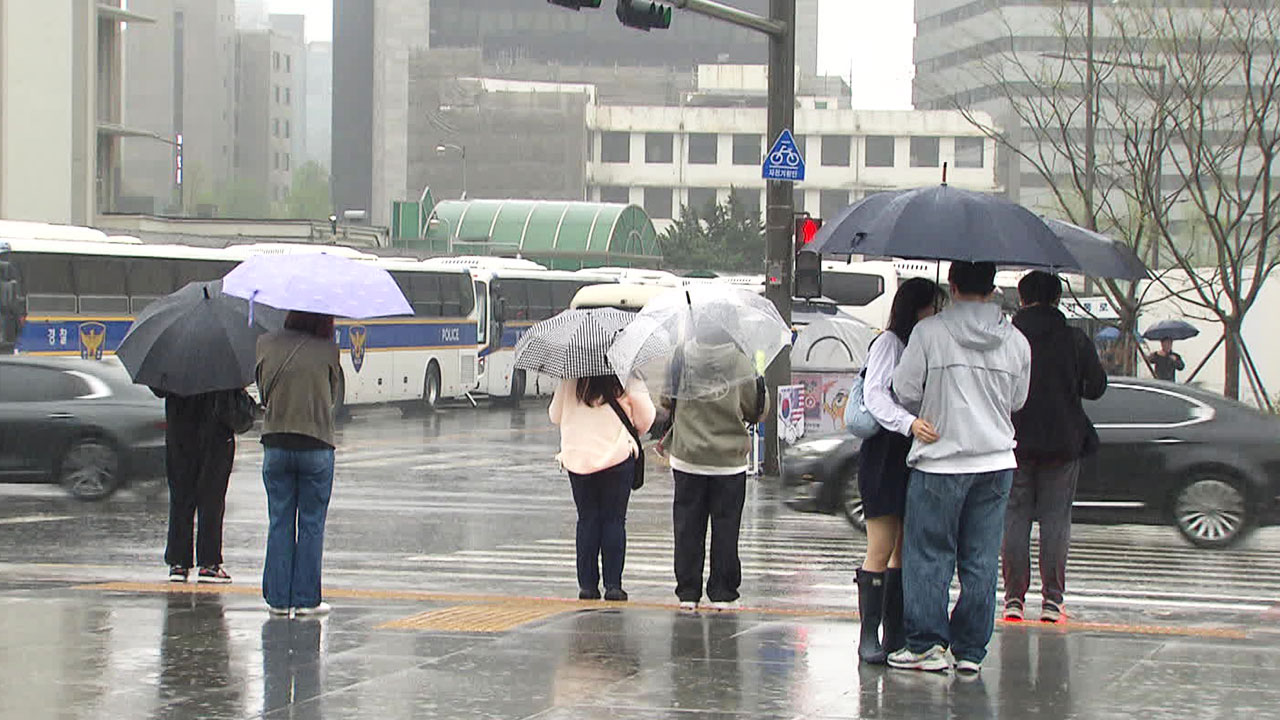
column 700, row 342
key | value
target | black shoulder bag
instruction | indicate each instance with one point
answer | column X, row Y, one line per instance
column 236, row 410
column 637, row 482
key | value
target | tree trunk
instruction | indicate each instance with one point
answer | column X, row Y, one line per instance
column 1231, row 353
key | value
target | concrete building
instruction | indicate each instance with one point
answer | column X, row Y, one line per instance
column 373, row 42
column 295, row 79
column 319, row 106
column 509, row 30
column 180, row 81
column 61, row 116
column 268, row 109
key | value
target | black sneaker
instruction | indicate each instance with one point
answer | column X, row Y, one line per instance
column 615, row 595
column 213, row 574
column 178, row 574
column 589, row 594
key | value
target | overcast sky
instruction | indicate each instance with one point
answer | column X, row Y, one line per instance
column 871, row 37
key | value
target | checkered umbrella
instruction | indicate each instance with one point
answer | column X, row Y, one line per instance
column 573, row 344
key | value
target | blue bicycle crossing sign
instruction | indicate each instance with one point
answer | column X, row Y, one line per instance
column 783, row 161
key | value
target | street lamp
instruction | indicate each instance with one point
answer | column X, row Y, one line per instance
column 444, row 148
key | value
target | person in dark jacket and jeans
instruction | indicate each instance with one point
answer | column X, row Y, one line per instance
column 1053, row 434
column 199, row 450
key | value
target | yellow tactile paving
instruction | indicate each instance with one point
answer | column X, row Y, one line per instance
column 490, row 618
column 553, row 605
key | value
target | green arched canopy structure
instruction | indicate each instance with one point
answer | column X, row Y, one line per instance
column 560, row 235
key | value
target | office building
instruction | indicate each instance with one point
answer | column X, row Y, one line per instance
column 319, row 105
column 268, row 109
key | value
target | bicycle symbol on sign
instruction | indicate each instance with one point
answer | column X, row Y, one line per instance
column 787, row 157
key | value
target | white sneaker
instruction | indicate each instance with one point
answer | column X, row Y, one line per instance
column 279, row 612
column 688, row 606
column 969, row 667
column 319, row 610
column 932, row 660
column 727, row 605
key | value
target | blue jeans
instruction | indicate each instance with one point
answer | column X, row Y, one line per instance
column 953, row 522
column 298, row 483
column 602, row 499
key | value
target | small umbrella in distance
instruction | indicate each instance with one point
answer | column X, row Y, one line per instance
column 573, row 344
column 318, row 283
column 196, row 340
column 1097, row 255
column 943, row 223
column 1171, row 330
column 1107, row 334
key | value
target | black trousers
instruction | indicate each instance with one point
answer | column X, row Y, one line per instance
column 198, row 476
column 699, row 499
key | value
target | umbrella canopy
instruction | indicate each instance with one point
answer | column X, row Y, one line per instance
column 196, row 340
column 1107, row 334
column 573, row 344
column 1097, row 255
column 318, row 283
column 944, row 223
column 1171, row 330
column 700, row 341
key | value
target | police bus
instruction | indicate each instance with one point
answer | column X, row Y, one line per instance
column 75, row 291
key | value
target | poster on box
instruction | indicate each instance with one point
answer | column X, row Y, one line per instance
column 791, row 413
column 825, row 395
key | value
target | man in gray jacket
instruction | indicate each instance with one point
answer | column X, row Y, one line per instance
column 967, row 369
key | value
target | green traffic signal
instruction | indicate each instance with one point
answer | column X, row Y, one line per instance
column 644, row 14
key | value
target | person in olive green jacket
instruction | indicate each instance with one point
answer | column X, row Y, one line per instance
column 708, row 448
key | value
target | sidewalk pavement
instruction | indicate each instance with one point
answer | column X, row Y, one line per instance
column 156, row 651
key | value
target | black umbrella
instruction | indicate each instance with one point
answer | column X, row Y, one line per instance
column 944, row 223
column 1098, row 255
column 196, row 340
column 1171, row 330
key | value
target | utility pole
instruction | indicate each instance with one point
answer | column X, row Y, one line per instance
column 1090, row 122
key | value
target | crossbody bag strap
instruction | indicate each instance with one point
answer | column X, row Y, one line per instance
column 626, row 423
column 266, row 391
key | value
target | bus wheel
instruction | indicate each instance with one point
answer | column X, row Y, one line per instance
column 431, row 388
column 519, row 381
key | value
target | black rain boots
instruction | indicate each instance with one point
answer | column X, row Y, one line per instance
column 871, row 597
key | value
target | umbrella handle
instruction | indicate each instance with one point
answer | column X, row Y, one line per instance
column 251, row 303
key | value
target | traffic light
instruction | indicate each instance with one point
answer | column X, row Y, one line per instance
column 808, row 278
column 644, row 14
column 576, row 4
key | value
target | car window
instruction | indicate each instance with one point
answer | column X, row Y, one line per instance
column 26, row 383
column 1139, row 406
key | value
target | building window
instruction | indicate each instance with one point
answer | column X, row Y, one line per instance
column 615, row 194
column 275, row 61
column 924, row 151
column 657, row 202
column 748, row 200
column 615, row 147
column 802, row 145
column 658, row 148
column 288, row 63
column 880, row 150
column 275, row 127
column 746, row 149
column 286, row 161
column 288, row 129
column 288, row 96
column 836, row 150
column 820, row 105
column 969, row 152
column 275, row 161
column 702, row 200
column 831, row 202
column 277, row 94
column 704, row 148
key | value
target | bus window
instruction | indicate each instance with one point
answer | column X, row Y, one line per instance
column 854, row 289
column 190, row 271
column 426, row 299
column 515, row 298
column 46, row 279
column 451, row 294
column 482, row 313
column 540, row 303
column 151, row 277
column 100, row 285
column 465, row 293
column 562, row 292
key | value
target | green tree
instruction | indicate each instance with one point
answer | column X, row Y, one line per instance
column 309, row 195
column 727, row 237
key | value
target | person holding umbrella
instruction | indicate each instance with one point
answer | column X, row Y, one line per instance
column 600, row 423
column 1165, row 363
column 194, row 349
column 298, row 376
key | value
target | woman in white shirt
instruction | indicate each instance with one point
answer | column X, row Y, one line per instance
column 883, row 472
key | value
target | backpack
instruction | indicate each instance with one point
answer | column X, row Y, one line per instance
column 857, row 419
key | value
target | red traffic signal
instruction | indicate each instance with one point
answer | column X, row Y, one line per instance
column 806, row 229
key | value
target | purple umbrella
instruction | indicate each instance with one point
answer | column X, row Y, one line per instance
column 318, row 283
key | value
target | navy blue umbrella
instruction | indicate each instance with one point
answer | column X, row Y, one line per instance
column 1098, row 255
column 1107, row 334
column 944, row 223
column 1171, row 330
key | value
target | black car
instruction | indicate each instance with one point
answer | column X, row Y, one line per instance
column 79, row 423
column 1170, row 454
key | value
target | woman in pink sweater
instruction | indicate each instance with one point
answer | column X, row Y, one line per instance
column 600, row 455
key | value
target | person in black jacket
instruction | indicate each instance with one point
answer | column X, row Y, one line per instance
column 1053, row 434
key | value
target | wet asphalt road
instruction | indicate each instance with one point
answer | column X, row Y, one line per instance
column 449, row 560
column 472, row 501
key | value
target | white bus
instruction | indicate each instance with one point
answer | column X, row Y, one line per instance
column 511, row 296
column 69, row 291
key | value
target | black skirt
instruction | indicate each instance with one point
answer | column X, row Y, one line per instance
column 883, row 473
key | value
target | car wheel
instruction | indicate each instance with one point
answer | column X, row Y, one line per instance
column 90, row 470
column 431, row 388
column 1211, row 511
column 851, row 501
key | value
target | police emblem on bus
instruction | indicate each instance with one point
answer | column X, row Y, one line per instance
column 93, row 336
column 359, row 335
